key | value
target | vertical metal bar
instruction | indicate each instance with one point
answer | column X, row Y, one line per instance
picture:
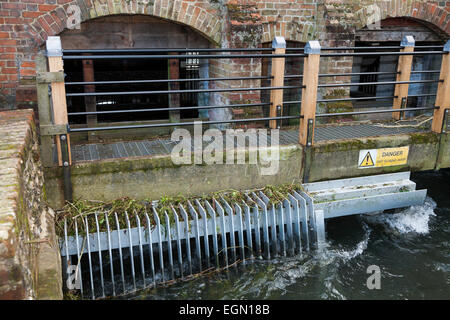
column 223, row 230
column 150, row 247
column 205, row 231
column 169, row 245
column 290, row 235
column 100, row 254
column 66, row 244
column 133, row 273
column 265, row 225
column 229, row 211
column 160, row 248
column 296, row 222
column 256, row 227
column 248, row 227
column 179, row 249
column 79, row 255
column 65, row 154
column 119, row 242
column 240, row 229
column 320, row 224
column 86, row 224
column 194, row 215
column 212, row 215
column 141, row 251
column 272, row 222
column 108, row 230
column 310, row 210
column 303, row 218
column 188, row 238
column 281, row 229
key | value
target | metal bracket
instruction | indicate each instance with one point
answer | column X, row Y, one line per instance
column 279, row 121
column 53, row 129
column 403, row 106
column 309, row 136
column 445, row 121
column 68, row 194
column 49, row 77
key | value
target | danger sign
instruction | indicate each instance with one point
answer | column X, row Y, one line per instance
column 383, row 157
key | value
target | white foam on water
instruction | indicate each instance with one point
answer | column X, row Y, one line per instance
column 413, row 219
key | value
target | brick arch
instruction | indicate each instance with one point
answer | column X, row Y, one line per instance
column 200, row 18
column 428, row 13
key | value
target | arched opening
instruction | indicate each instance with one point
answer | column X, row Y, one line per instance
column 133, row 31
column 390, row 33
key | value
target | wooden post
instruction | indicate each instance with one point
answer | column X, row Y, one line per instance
column 443, row 92
column 276, row 96
column 174, row 99
column 309, row 93
column 45, row 117
column 90, row 101
column 55, row 64
column 404, row 69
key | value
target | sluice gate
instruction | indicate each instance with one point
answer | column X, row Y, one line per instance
column 119, row 253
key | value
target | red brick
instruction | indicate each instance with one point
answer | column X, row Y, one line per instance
column 47, row 7
column 31, row 14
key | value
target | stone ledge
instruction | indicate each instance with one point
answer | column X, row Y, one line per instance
column 28, row 269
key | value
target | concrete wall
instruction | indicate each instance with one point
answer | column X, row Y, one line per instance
column 151, row 178
column 340, row 159
column 29, row 255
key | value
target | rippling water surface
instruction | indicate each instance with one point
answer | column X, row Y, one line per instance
column 411, row 246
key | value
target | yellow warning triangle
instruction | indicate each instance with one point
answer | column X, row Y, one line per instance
column 367, row 161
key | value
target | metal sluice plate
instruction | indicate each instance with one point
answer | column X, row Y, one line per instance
column 115, row 254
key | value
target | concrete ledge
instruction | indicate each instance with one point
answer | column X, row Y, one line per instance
column 153, row 177
column 444, row 152
column 339, row 159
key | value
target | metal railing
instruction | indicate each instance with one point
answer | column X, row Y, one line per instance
column 308, row 83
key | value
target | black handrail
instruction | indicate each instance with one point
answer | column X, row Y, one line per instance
column 323, row 115
column 175, row 124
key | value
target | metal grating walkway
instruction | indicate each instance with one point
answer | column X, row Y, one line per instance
column 126, row 149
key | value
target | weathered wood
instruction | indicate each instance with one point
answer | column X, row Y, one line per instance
column 55, row 64
column 401, row 89
column 174, row 99
column 44, row 112
column 53, row 129
column 278, row 65
column 309, row 95
column 443, row 92
column 49, row 77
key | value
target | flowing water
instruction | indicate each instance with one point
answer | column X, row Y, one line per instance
column 410, row 246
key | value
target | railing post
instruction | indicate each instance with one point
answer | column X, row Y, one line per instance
column 404, row 72
column 276, row 96
column 443, row 93
column 309, row 93
column 45, row 117
column 90, row 101
column 55, row 64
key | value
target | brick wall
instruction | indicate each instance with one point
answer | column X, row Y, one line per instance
column 26, row 24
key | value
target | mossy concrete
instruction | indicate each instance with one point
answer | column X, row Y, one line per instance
column 444, row 152
column 153, row 177
column 339, row 159
column 157, row 176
